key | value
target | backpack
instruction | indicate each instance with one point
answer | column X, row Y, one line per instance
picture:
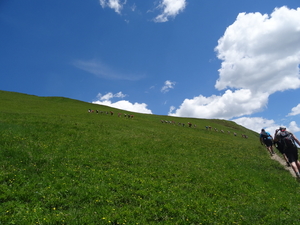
column 286, row 141
column 264, row 135
column 280, row 146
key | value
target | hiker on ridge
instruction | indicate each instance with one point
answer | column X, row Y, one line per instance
column 287, row 140
column 267, row 140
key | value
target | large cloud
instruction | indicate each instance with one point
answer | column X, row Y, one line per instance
column 261, row 52
column 257, row 123
column 231, row 104
column 261, row 55
column 122, row 104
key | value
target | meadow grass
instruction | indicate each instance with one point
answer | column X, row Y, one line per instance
column 63, row 165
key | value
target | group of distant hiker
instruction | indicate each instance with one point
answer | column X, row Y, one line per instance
column 285, row 142
column 208, row 128
column 110, row 113
column 222, row 131
column 179, row 124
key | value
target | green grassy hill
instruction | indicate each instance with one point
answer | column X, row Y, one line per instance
column 63, row 165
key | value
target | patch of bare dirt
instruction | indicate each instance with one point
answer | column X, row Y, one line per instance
column 282, row 162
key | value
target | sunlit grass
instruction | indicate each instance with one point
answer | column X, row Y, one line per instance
column 62, row 165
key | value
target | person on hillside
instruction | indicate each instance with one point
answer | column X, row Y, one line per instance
column 267, row 140
column 280, row 147
column 287, row 140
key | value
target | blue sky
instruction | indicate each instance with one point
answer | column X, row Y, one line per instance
column 234, row 60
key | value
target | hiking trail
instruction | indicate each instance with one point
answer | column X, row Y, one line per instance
column 282, row 162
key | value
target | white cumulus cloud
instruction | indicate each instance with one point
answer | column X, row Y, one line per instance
column 230, row 104
column 261, row 52
column 295, row 111
column 171, row 8
column 293, row 127
column 122, row 104
column 110, row 95
column 258, row 123
column 260, row 56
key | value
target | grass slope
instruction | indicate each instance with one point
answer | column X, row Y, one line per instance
column 63, row 165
